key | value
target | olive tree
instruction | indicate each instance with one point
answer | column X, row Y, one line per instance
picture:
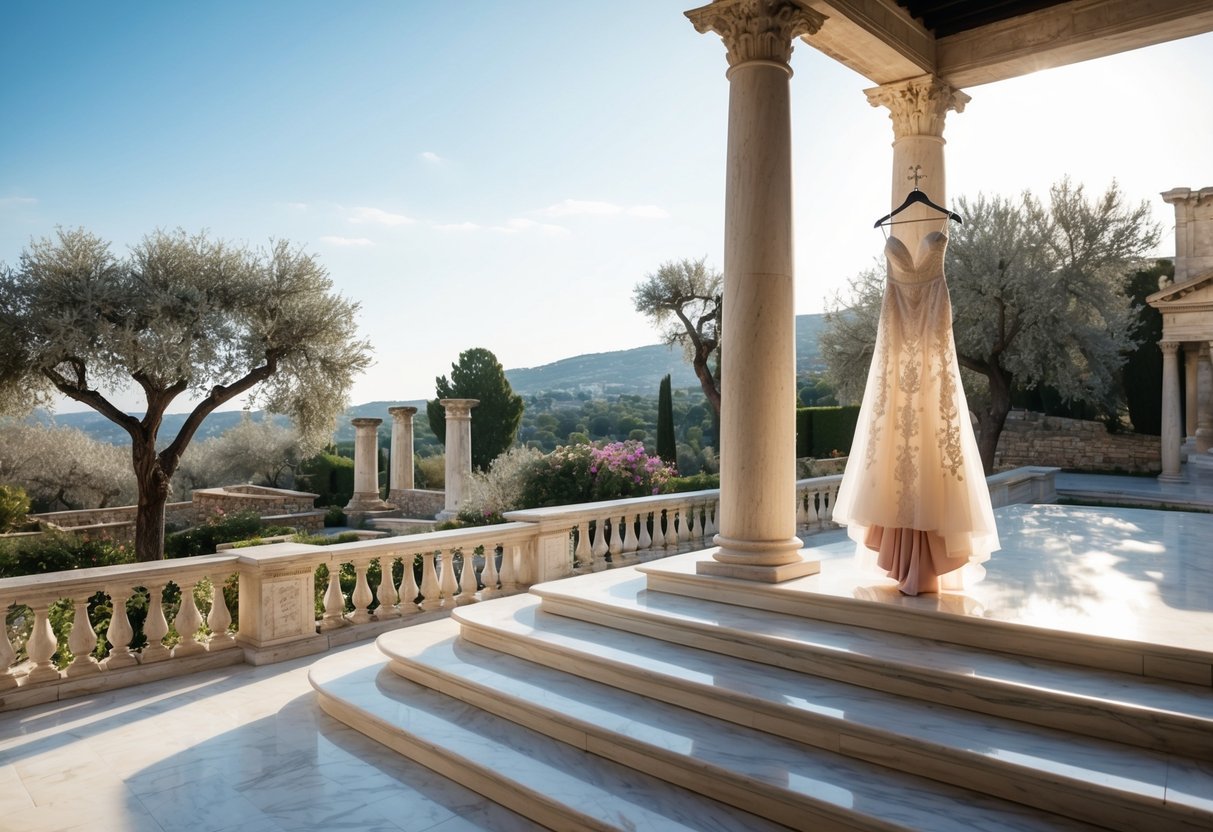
column 180, row 316
column 1038, row 298
column 257, row 451
column 63, row 468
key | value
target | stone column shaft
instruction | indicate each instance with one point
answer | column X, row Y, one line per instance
column 1191, row 360
column 1204, row 413
column 366, row 467
column 1171, row 426
column 401, row 474
column 757, row 530
column 458, row 452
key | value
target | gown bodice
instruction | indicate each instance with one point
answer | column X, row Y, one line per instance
column 927, row 266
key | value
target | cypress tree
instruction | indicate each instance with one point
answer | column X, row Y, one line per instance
column 667, row 449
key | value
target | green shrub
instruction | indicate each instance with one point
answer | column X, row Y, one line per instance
column 329, row 476
column 695, row 482
column 822, row 432
column 334, row 516
column 586, row 473
column 222, row 528
column 14, row 506
column 57, row 552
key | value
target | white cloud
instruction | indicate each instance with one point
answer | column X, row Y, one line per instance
column 432, row 157
column 574, row 207
column 346, row 241
column 378, row 216
column 520, row 224
column 457, row 226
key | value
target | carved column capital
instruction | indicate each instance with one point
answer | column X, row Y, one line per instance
column 1169, row 347
column 918, row 107
column 459, row 408
column 757, row 30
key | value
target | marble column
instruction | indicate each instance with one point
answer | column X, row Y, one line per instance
column 400, row 477
column 366, row 467
column 1191, row 360
column 458, row 452
column 918, row 108
column 757, row 529
column 1204, row 399
column 1171, row 423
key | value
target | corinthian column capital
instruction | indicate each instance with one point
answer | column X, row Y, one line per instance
column 918, row 106
column 1168, row 347
column 757, row 30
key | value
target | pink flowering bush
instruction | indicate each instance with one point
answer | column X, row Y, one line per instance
column 586, row 473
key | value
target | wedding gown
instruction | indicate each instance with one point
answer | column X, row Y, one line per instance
column 914, row 490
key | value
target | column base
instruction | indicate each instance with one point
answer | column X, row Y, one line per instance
column 761, row 574
column 1172, row 478
column 362, row 503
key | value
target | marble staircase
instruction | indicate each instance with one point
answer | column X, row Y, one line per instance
column 779, row 711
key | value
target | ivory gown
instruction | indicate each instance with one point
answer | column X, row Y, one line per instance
column 914, row 490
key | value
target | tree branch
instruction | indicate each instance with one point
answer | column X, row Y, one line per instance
column 92, row 398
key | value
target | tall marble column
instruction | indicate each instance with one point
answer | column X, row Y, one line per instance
column 757, row 529
column 1171, row 426
column 458, row 452
column 1204, row 401
column 1191, row 360
column 366, row 467
column 918, row 108
column 400, row 477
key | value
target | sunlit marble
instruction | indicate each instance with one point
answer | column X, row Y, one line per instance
column 243, row 749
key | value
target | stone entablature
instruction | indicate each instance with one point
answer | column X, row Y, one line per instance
column 1036, row 439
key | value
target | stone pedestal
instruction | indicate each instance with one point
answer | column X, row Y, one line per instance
column 277, row 603
column 1171, row 418
column 400, row 475
column 458, row 452
column 757, row 529
column 366, row 468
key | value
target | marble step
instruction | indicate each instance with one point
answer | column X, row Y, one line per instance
column 550, row 782
column 1171, row 717
column 1107, row 783
column 784, row 781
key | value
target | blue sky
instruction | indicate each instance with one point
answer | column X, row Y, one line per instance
column 501, row 174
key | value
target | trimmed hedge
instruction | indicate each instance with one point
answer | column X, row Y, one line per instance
column 823, row 432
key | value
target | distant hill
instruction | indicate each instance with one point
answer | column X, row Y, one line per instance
column 636, row 371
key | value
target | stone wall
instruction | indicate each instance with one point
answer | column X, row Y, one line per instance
column 208, row 502
column 417, row 503
column 1036, row 439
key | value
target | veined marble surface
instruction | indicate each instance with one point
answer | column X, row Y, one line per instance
column 242, row 748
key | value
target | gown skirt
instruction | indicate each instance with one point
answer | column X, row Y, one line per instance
column 914, row 491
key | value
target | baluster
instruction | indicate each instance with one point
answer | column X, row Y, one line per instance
column 362, row 596
column 41, row 647
column 802, row 513
column 467, row 578
column 447, row 585
column 408, row 585
column 334, row 601
column 629, row 533
column 693, row 522
column 659, row 539
column 81, row 642
column 582, row 554
column 7, row 654
column 600, row 547
column 646, row 540
column 488, row 575
column 155, row 626
column 385, row 593
column 827, row 504
column 709, row 513
column 616, row 545
column 120, row 632
column 188, row 621
column 810, row 510
column 430, row 592
column 684, row 526
column 219, row 619
column 509, row 569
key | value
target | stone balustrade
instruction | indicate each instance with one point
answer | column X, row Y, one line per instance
column 290, row 601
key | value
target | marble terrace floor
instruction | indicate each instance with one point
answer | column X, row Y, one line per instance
column 248, row 749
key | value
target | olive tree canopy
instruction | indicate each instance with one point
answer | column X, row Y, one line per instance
column 180, row 315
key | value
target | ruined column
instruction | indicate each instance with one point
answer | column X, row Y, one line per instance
column 458, row 452
column 400, row 477
column 757, row 530
column 1171, row 423
column 366, row 467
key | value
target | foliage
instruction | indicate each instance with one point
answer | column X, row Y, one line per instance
column 63, row 468
column 479, row 375
column 430, row 472
column 14, row 506
column 329, row 476
column 489, row 494
column 326, row 539
column 57, row 552
column 667, row 447
column 221, row 528
column 257, row 451
column 587, row 473
column 180, row 314
column 1037, row 300
column 683, row 300
column 825, row 431
column 695, row 482
column 334, row 516
column 1143, row 366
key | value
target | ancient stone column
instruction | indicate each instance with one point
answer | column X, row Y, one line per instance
column 400, row 477
column 757, row 530
column 1171, row 426
column 1191, row 360
column 1204, row 412
column 458, row 452
column 918, row 108
column 366, row 467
